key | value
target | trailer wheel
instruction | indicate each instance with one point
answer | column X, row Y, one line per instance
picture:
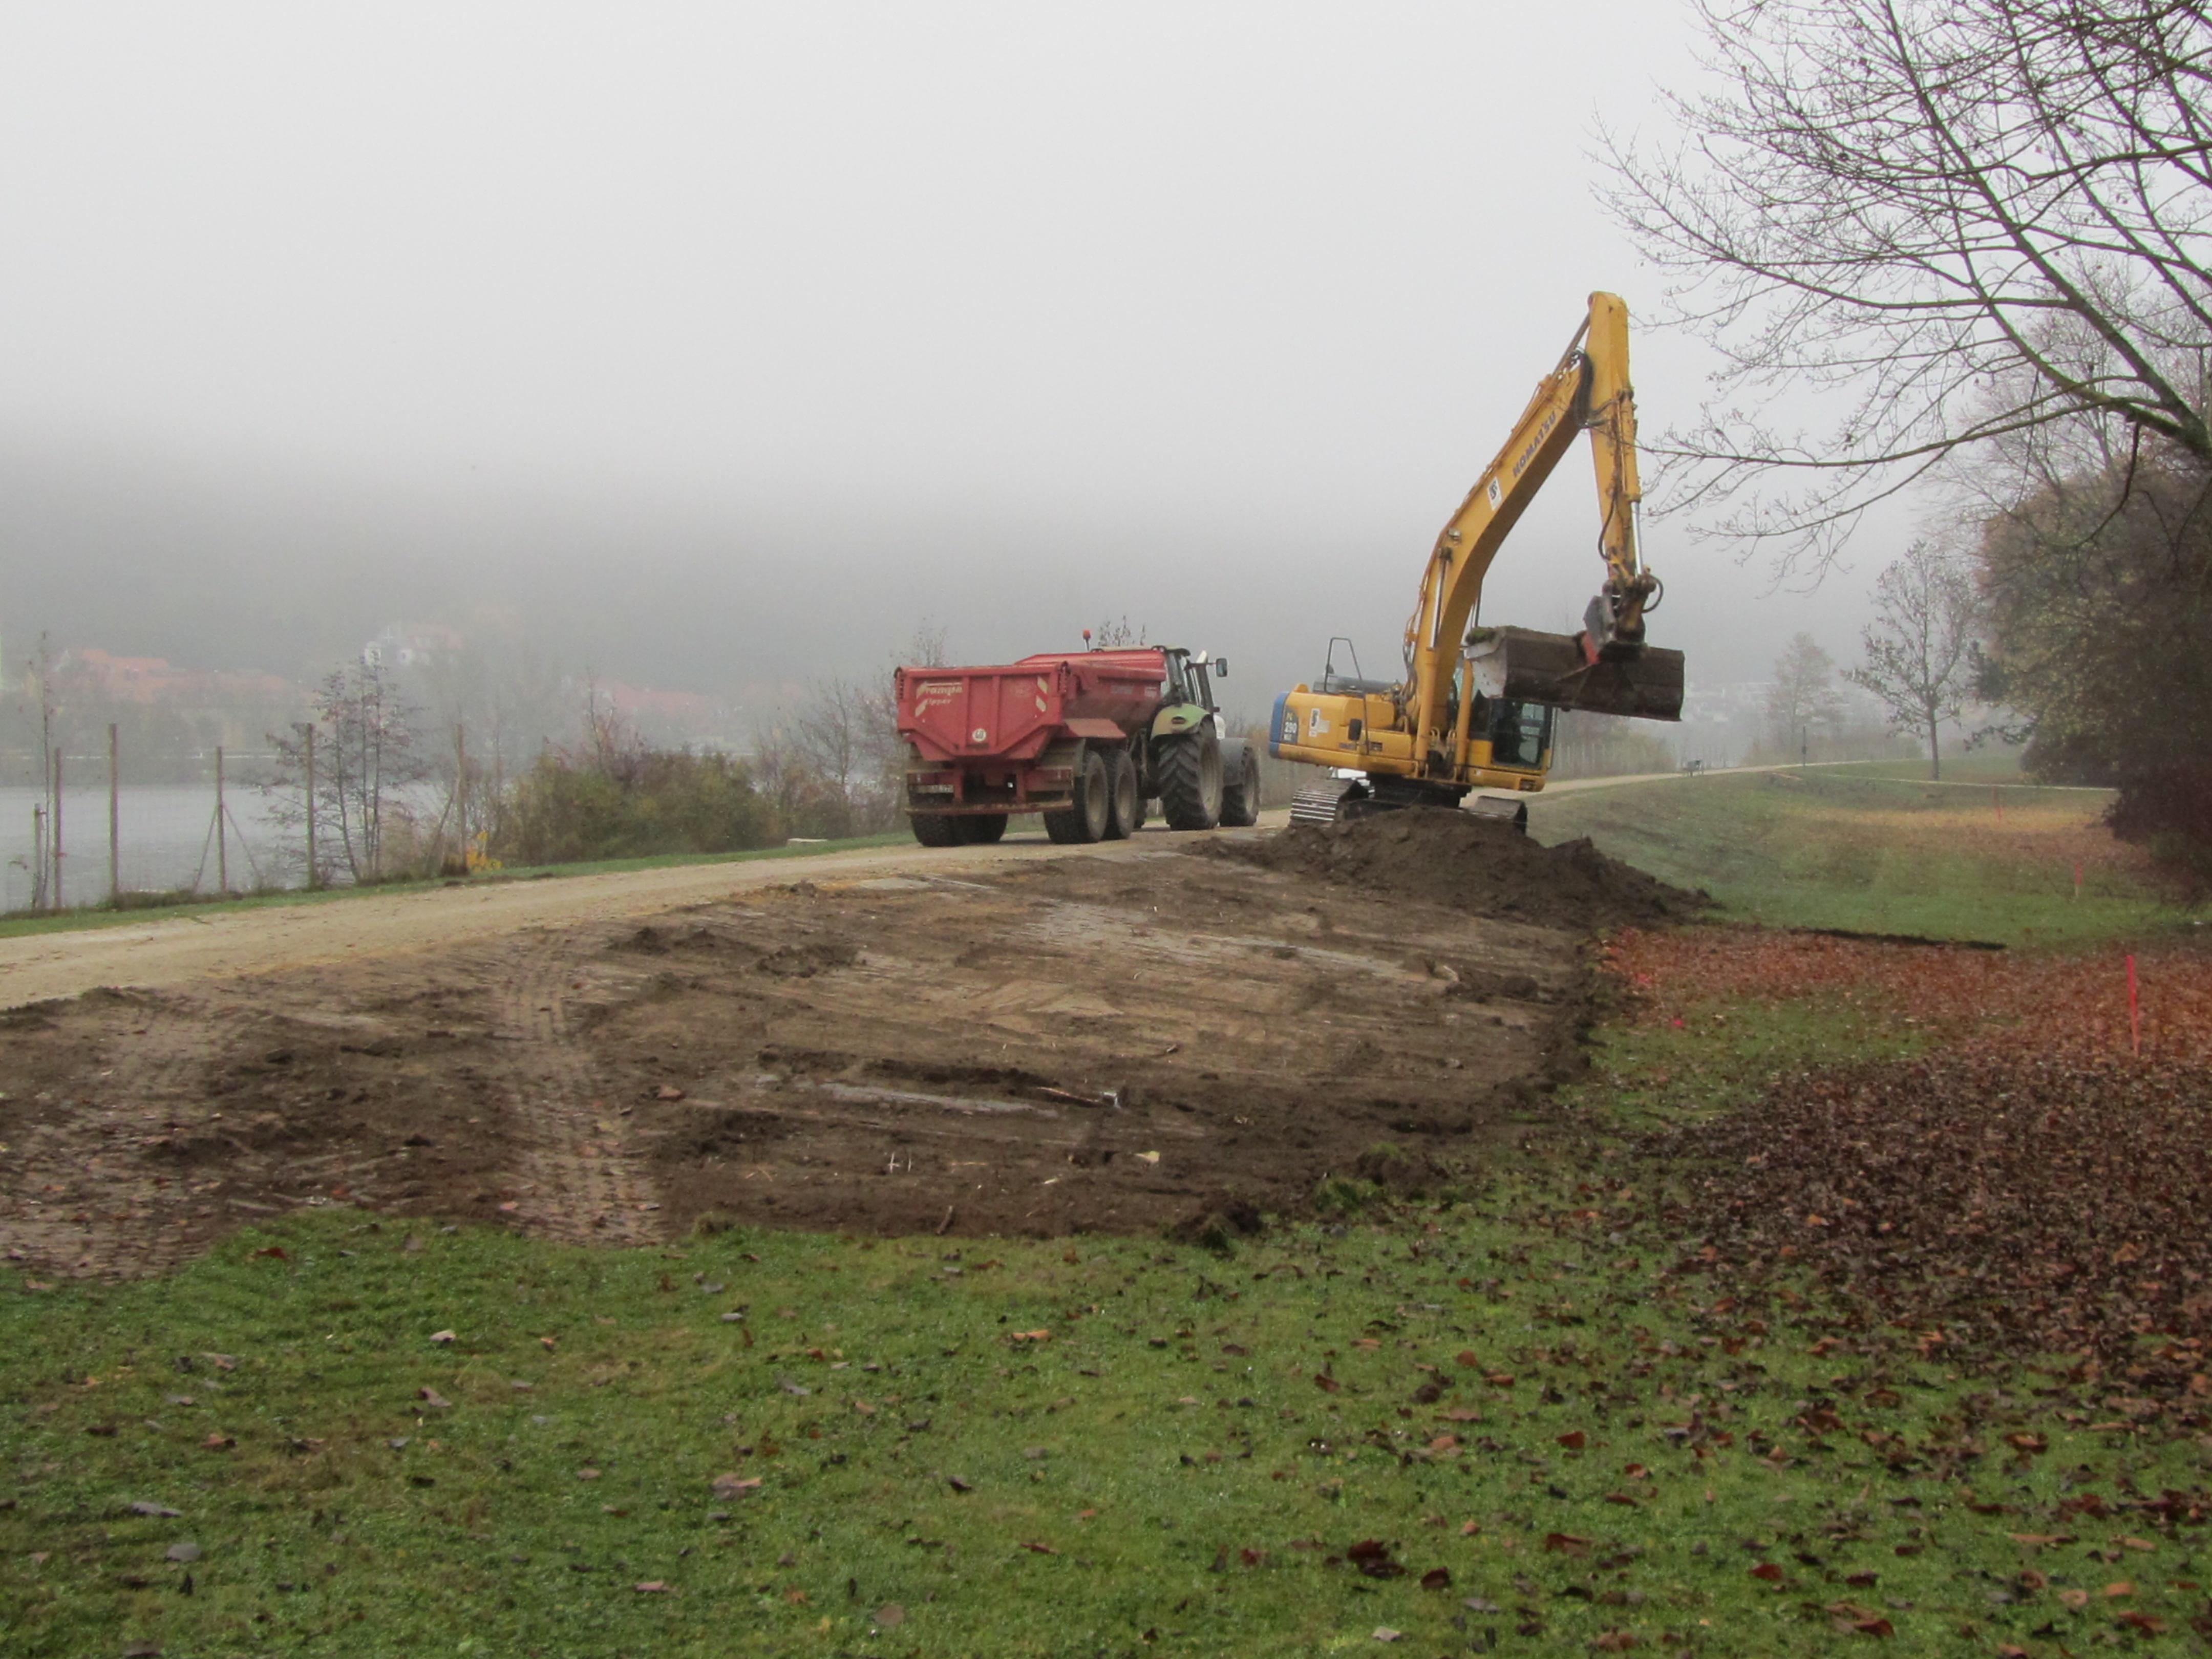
column 1124, row 807
column 936, row 829
column 1190, row 780
column 982, row 830
column 1086, row 818
column 1239, row 795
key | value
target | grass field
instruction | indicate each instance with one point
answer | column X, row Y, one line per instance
column 1514, row 1417
column 1858, row 848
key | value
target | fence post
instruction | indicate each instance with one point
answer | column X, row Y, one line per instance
column 55, row 830
column 38, row 858
column 221, row 831
column 314, row 877
column 461, row 790
column 114, row 819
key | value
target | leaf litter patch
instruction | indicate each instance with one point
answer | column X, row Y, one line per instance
column 2075, row 1001
column 2032, row 1187
column 1991, row 1206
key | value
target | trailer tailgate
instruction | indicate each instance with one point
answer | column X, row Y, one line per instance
column 949, row 714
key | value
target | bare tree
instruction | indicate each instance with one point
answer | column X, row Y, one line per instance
column 831, row 731
column 926, row 647
column 1919, row 648
column 365, row 758
column 1803, row 696
column 783, row 779
column 1974, row 219
column 1114, row 635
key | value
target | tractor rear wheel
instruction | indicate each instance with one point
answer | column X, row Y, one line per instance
column 1085, row 819
column 1240, row 795
column 982, row 829
column 1190, row 780
column 1124, row 807
column 936, row 829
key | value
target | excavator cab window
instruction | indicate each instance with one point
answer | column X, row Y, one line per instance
column 1520, row 733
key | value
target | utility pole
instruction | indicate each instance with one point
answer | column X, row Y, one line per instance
column 307, row 732
column 114, row 819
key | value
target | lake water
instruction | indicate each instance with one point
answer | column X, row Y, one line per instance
column 165, row 840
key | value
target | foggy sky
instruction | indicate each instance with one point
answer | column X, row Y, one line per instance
column 711, row 345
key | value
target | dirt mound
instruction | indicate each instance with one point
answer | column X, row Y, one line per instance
column 1480, row 865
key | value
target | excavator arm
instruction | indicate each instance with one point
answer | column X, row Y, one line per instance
column 1588, row 390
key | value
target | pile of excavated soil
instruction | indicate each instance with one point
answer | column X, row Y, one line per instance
column 1484, row 867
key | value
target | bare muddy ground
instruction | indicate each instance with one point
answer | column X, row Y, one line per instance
column 1113, row 1043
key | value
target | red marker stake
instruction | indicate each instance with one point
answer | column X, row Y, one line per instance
column 2135, row 1009
column 2078, row 881
column 1998, row 801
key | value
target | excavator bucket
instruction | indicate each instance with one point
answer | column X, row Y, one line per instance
column 1642, row 681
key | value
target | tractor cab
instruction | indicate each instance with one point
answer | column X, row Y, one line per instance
column 1190, row 680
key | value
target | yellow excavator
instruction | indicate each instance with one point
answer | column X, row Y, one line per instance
column 1476, row 708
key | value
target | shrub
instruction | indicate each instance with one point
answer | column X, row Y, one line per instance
column 631, row 802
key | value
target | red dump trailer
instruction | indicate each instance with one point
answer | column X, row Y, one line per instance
column 1087, row 738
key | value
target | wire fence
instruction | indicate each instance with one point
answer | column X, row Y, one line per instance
column 102, row 838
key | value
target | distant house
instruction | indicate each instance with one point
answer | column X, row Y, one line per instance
column 154, row 680
column 404, row 645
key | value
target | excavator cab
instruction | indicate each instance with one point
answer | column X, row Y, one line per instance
column 1519, row 734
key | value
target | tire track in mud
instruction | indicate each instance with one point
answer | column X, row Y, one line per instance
column 582, row 1180
column 92, row 1212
